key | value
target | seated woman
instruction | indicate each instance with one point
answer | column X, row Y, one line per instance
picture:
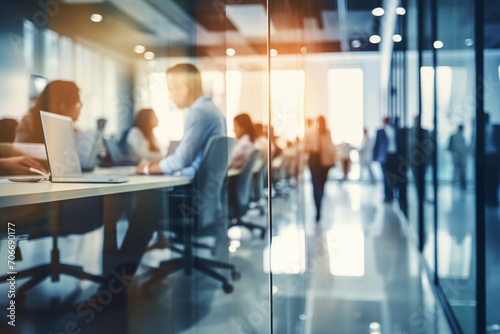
column 140, row 138
column 244, row 130
column 59, row 97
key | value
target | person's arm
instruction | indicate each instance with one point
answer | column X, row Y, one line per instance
column 376, row 146
column 20, row 164
column 149, row 168
column 196, row 133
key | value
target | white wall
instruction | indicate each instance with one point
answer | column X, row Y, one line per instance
column 316, row 99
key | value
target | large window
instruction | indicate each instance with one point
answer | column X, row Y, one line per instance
column 345, row 104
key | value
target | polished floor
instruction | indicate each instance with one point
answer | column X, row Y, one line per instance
column 356, row 271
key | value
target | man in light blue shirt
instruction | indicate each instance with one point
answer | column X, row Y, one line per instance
column 203, row 122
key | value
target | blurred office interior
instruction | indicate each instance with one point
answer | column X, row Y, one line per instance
column 426, row 261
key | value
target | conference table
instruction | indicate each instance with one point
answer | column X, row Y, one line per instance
column 25, row 193
column 14, row 194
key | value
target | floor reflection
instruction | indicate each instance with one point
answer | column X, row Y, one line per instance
column 382, row 290
column 354, row 272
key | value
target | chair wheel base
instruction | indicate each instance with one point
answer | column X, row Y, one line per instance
column 228, row 288
column 235, row 275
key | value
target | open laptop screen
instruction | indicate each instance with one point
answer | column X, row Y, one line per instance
column 60, row 145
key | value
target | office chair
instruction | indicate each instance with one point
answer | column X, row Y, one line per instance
column 52, row 220
column 258, row 183
column 239, row 192
column 203, row 216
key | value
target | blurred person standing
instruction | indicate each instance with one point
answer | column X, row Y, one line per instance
column 345, row 158
column 322, row 156
column 459, row 150
column 385, row 151
column 365, row 156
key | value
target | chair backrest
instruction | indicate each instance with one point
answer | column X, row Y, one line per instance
column 209, row 180
column 244, row 185
column 258, row 181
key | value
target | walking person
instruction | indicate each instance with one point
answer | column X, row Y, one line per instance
column 365, row 156
column 385, row 151
column 322, row 156
column 459, row 150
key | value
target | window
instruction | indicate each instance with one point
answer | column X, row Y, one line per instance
column 345, row 104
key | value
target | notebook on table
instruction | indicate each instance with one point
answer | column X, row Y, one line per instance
column 117, row 156
column 62, row 154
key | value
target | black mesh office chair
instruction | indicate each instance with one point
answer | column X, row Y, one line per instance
column 198, row 211
column 258, row 185
column 239, row 194
column 52, row 220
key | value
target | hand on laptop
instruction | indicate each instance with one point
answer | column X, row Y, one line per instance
column 148, row 168
column 21, row 163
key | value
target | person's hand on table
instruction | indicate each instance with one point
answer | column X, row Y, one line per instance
column 21, row 163
column 148, row 168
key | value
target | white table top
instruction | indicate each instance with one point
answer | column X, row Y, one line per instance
column 22, row 193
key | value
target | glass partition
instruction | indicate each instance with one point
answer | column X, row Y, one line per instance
column 184, row 83
column 491, row 56
column 456, row 131
column 287, row 253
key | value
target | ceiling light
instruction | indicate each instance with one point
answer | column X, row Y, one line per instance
column 374, row 325
column 375, row 39
column 469, row 42
column 379, row 11
column 400, row 11
column 149, row 55
column 230, row 52
column 274, row 52
column 356, row 44
column 397, row 38
column 438, row 44
column 96, row 18
column 139, row 49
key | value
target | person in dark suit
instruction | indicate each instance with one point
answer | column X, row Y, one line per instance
column 385, row 151
column 492, row 157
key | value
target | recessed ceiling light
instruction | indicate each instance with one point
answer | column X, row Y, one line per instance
column 379, row 11
column 438, row 44
column 96, row 18
column 469, row 42
column 149, row 55
column 274, row 52
column 375, row 39
column 139, row 49
column 230, row 52
column 356, row 44
column 397, row 38
column 400, row 11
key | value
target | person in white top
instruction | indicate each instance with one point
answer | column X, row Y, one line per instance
column 141, row 140
column 245, row 133
column 365, row 156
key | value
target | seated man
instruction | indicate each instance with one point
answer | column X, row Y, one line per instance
column 203, row 122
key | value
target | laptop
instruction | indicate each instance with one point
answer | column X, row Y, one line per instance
column 172, row 147
column 117, row 155
column 62, row 154
column 88, row 144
